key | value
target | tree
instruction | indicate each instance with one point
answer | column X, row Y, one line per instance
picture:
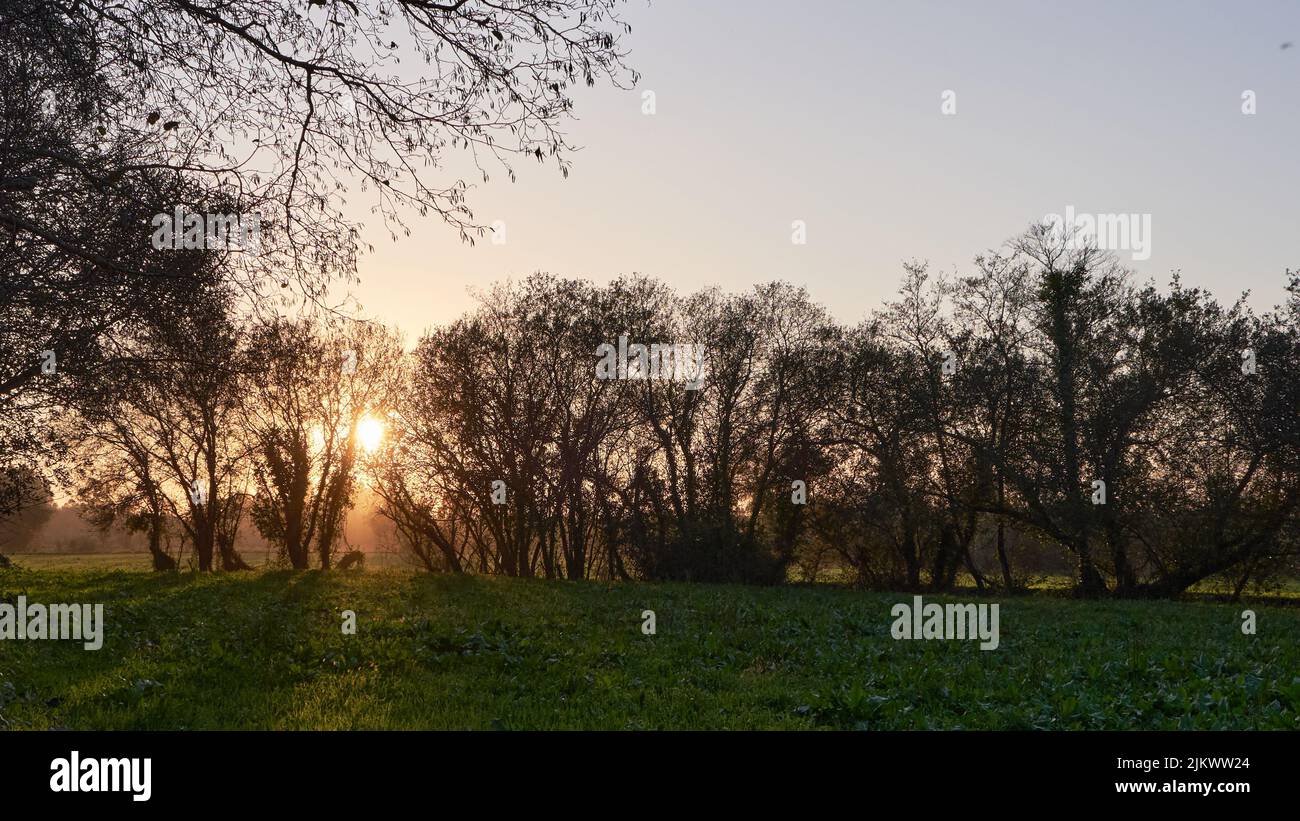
column 994, row 388
column 188, row 407
column 281, row 107
column 24, row 506
column 121, row 477
column 309, row 389
column 79, row 274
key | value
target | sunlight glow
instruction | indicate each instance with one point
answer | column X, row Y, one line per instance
column 370, row 433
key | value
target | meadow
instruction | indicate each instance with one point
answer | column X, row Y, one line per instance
column 266, row 650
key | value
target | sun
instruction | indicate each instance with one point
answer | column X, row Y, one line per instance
column 370, row 433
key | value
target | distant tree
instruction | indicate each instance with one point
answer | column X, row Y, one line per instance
column 879, row 510
column 188, row 407
column 24, row 506
column 479, row 411
column 434, row 528
column 994, row 389
column 1079, row 296
column 1130, row 434
column 1216, row 473
column 308, row 390
column 119, row 479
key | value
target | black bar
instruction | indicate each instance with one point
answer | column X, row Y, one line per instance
column 237, row 770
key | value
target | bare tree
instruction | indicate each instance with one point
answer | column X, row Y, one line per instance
column 283, row 107
column 308, row 391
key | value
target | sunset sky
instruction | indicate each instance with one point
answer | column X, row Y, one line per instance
column 829, row 112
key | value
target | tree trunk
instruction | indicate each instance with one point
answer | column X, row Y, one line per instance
column 1125, row 580
column 1007, row 580
column 1060, row 286
column 161, row 561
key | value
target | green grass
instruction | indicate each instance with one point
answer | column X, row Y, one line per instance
column 265, row 650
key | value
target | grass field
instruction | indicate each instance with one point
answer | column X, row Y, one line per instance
column 266, row 650
column 139, row 560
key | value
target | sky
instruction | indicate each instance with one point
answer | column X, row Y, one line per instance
column 832, row 113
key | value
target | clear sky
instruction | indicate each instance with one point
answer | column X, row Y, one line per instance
column 830, row 112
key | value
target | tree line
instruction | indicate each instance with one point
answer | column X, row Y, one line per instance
column 1041, row 413
column 979, row 427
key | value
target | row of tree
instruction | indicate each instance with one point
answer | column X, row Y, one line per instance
column 232, row 422
column 975, row 430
